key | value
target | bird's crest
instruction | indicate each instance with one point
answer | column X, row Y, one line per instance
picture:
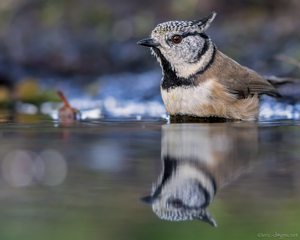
column 183, row 26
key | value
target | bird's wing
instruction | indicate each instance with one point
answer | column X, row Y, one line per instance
column 248, row 83
column 241, row 81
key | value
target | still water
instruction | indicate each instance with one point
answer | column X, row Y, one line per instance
column 149, row 180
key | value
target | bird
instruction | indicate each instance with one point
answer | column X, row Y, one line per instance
column 198, row 79
column 186, row 185
column 183, row 192
column 197, row 161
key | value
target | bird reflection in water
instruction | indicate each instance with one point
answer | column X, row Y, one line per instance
column 197, row 160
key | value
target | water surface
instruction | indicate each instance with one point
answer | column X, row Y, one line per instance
column 86, row 181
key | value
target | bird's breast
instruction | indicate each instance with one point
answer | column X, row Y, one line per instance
column 209, row 99
column 187, row 99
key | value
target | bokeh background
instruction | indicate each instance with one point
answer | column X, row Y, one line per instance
column 88, row 49
column 85, row 181
column 98, row 37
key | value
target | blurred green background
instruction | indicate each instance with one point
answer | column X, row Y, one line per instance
column 98, row 36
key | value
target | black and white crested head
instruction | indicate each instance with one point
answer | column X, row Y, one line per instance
column 182, row 193
column 183, row 200
column 182, row 46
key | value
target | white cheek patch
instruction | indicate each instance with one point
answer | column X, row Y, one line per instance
column 185, row 69
column 187, row 100
column 187, row 172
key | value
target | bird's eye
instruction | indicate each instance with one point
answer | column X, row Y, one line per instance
column 176, row 203
column 176, row 39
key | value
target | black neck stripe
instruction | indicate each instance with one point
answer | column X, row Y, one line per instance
column 170, row 79
column 211, row 61
column 170, row 168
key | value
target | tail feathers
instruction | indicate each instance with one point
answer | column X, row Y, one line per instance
column 278, row 81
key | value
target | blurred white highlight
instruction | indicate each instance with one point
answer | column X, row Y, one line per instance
column 17, row 168
column 50, row 168
column 21, row 168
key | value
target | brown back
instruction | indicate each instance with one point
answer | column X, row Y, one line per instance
column 240, row 81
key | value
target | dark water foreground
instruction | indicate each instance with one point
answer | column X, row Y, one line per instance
column 85, row 181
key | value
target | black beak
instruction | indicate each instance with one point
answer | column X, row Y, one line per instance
column 148, row 42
